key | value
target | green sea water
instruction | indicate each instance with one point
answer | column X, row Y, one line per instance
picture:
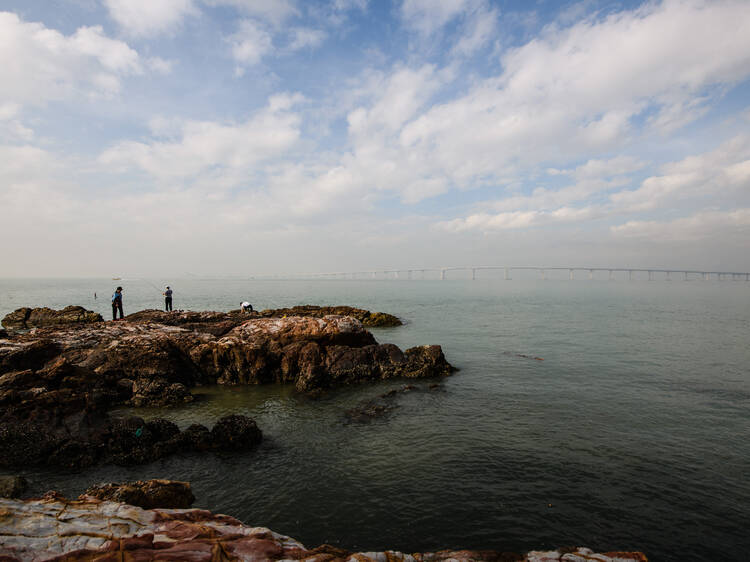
column 632, row 433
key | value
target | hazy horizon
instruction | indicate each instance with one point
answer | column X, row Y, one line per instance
column 240, row 138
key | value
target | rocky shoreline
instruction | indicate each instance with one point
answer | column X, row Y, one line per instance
column 62, row 371
column 94, row 528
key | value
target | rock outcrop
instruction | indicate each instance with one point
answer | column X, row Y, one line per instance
column 91, row 529
column 69, row 369
column 211, row 322
column 146, row 494
column 367, row 318
column 57, row 383
column 80, row 440
column 26, row 318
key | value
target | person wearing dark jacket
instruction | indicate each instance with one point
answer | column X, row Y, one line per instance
column 168, row 299
column 117, row 304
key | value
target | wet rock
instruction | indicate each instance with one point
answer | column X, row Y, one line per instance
column 25, row 318
column 92, row 529
column 57, row 383
column 148, row 494
column 235, row 433
column 12, row 486
column 159, row 392
column 3, row 334
column 73, row 445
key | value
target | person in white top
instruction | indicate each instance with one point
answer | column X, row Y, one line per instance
column 246, row 307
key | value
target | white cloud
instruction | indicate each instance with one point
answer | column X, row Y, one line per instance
column 250, row 43
column 709, row 185
column 275, row 12
column 149, row 17
column 160, row 65
column 577, row 90
column 722, row 175
column 520, row 219
column 304, row 37
column 700, row 226
column 41, row 64
column 428, row 16
column 479, row 29
column 209, row 148
column 589, row 179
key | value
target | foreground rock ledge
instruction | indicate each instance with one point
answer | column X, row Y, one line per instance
column 90, row 529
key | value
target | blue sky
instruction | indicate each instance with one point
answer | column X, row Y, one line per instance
column 242, row 137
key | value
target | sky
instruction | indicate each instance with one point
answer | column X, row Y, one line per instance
column 253, row 137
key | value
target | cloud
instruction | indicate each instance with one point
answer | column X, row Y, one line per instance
column 590, row 179
column 520, row 219
column 206, row 148
column 707, row 185
column 250, row 43
column 304, row 37
column 41, row 64
column 160, row 65
column 722, row 175
column 428, row 16
column 700, row 226
column 276, row 12
column 579, row 90
column 150, row 17
column 11, row 128
column 480, row 28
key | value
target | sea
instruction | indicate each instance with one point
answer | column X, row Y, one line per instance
column 613, row 414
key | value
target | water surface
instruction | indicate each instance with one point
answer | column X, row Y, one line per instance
column 632, row 433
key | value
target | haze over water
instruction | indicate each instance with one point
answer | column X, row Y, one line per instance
column 630, row 434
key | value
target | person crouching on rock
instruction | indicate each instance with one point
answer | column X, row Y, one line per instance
column 168, row 299
column 117, row 304
column 246, row 307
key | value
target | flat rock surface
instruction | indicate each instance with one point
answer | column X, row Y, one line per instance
column 53, row 528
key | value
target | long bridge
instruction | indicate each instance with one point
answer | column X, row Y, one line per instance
column 443, row 272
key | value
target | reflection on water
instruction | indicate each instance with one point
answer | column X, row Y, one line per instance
column 631, row 434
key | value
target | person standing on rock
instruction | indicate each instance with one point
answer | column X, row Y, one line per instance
column 117, row 304
column 168, row 299
column 246, row 307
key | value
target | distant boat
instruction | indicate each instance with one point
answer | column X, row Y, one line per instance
column 116, row 278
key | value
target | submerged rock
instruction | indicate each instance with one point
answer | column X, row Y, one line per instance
column 91, row 529
column 372, row 408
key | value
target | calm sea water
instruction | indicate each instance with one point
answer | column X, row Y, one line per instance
column 631, row 434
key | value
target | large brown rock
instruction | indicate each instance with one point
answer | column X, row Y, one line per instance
column 367, row 318
column 91, row 529
column 220, row 323
column 25, row 318
column 147, row 494
column 57, row 383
